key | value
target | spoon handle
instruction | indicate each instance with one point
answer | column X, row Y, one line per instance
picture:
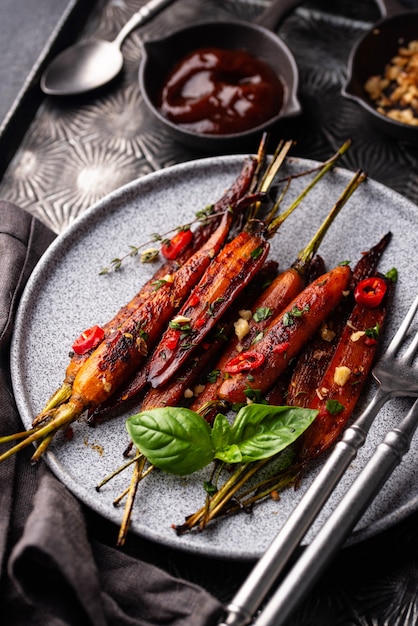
column 140, row 17
column 388, row 8
column 273, row 15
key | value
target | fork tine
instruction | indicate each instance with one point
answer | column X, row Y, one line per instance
column 397, row 339
column 411, row 351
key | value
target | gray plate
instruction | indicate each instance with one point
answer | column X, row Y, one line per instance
column 66, row 294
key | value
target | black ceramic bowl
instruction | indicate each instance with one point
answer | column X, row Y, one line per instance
column 159, row 56
column 369, row 57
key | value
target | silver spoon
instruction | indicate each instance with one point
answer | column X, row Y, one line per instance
column 93, row 63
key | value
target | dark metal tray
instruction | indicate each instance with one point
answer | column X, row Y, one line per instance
column 69, row 153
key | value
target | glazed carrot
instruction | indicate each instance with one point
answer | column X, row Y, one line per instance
column 115, row 360
column 272, row 302
column 287, row 285
column 174, row 393
column 229, row 201
column 343, row 381
column 171, row 353
column 314, row 359
column 178, row 390
column 226, row 277
column 286, row 336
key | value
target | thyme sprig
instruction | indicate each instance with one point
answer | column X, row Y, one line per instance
column 151, row 255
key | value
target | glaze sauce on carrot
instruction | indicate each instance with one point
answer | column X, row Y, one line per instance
column 216, row 91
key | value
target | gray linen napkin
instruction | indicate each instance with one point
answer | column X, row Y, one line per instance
column 52, row 572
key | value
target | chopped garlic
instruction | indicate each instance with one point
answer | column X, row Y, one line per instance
column 180, row 319
column 246, row 314
column 199, row 389
column 106, row 386
column 357, row 335
column 341, row 375
column 188, row 393
column 326, row 333
column 149, row 255
column 242, row 328
column 142, row 346
column 168, row 278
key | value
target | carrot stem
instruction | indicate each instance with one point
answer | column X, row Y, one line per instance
column 328, row 165
column 64, row 415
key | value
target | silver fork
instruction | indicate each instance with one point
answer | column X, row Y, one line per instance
column 396, row 377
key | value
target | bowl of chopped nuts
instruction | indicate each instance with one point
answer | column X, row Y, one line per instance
column 383, row 72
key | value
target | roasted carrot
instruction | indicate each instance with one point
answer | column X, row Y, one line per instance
column 343, row 381
column 285, row 336
column 171, row 353
column 272, row 302
column 115, row 360
column 230, row 201
column 314, row 359
column 176, row 390
column 225, row 278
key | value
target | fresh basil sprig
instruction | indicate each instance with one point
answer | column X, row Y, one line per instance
column 179, row 441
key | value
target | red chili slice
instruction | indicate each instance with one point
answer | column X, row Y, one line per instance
column 370, row 292
column 172, row 339
column 244, row 362
column 281, row 347
column 171, row 249
column 88, row 339
column 193, row 300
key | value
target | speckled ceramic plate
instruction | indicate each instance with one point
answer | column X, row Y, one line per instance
column 66, row 294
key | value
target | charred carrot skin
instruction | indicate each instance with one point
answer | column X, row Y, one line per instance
column 340, row 389
column 288, row 333
column 116, row 360
column 278, row 394
column 174, row 392
column 226, row 277
column 314, row 359
column 275, row 298
column 230, row 201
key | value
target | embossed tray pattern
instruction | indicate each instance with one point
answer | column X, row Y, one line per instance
column 78, row 150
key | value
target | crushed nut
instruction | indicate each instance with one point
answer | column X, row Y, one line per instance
column 142, row 346
column 395, row 93
column 149, row 255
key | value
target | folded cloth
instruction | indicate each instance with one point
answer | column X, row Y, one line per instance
column 52, row 572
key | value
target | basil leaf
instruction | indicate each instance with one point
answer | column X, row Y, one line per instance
column 260, row 430
column 174, row 439
column 221, row 432
column 229, row 454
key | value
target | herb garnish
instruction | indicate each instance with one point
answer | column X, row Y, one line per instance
column 179, row 441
